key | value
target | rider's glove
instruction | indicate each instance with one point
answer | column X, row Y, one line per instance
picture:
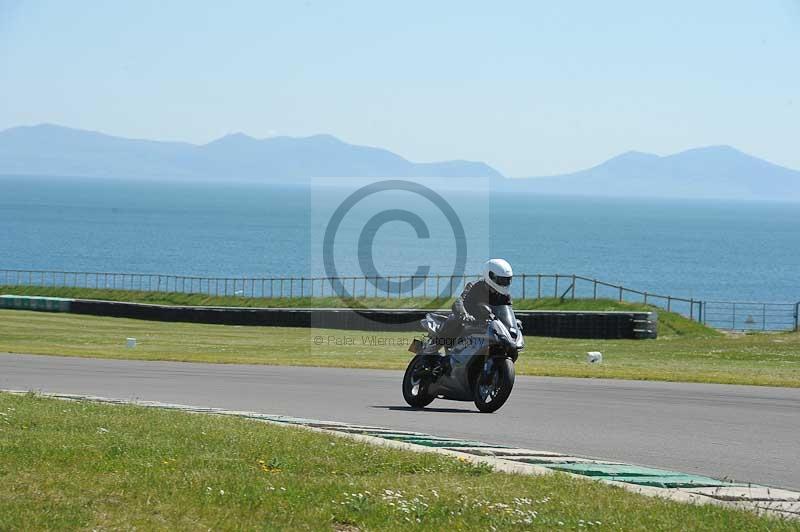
column 468, row 318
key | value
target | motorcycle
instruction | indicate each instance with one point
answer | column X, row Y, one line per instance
column 478, row 366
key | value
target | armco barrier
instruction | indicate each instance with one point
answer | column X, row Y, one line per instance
column 563, row 324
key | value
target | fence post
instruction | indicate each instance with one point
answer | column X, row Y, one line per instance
column 523, row 285
column 555, row 291
column 573, row 285
column 797, row 317
column 620, row 294
column 645, row 298
column 538, row 286
column 594, row 288
column 733, row 318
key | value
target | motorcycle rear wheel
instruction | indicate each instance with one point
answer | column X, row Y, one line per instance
column 415, row 388
column 492, row 393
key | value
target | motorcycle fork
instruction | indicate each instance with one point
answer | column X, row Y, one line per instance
column 488, row 366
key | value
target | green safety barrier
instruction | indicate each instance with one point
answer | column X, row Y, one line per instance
column 47, row 304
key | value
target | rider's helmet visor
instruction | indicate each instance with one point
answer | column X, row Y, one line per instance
column 500, row 280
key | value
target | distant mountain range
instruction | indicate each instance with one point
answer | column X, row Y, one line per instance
column 54, row 150
column 711, row 172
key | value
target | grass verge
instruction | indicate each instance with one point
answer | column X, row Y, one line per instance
column 80, row 465
column 760, row 359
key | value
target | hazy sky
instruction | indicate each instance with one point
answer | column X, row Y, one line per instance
column 532, row 88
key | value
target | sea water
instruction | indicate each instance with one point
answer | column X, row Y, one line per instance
column 687, row 248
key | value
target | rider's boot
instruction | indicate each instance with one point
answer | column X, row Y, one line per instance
column 434, row 359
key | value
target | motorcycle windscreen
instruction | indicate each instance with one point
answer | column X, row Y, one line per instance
column 505, row 314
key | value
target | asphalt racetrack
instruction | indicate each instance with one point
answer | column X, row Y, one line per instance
column 744, row 433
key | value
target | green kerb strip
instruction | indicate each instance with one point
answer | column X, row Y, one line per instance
column 392, row 435
column 643, row 476
column 431, row 441
column 674, row 481
column 446, row 443
column 554, row 461
column 605, row 469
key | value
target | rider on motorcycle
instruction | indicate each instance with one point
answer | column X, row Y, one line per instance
column 493, row 289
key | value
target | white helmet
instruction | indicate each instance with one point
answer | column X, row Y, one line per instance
column 497, row 274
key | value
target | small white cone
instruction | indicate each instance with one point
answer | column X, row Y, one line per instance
column 594, row 357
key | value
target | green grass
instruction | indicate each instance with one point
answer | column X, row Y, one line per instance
column 669, row 322
column 762, row 359
column 81, row 465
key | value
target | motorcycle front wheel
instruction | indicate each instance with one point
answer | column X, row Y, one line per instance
column 415, row 386
column 492, row 389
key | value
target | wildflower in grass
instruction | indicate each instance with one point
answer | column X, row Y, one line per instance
column 273, row 466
